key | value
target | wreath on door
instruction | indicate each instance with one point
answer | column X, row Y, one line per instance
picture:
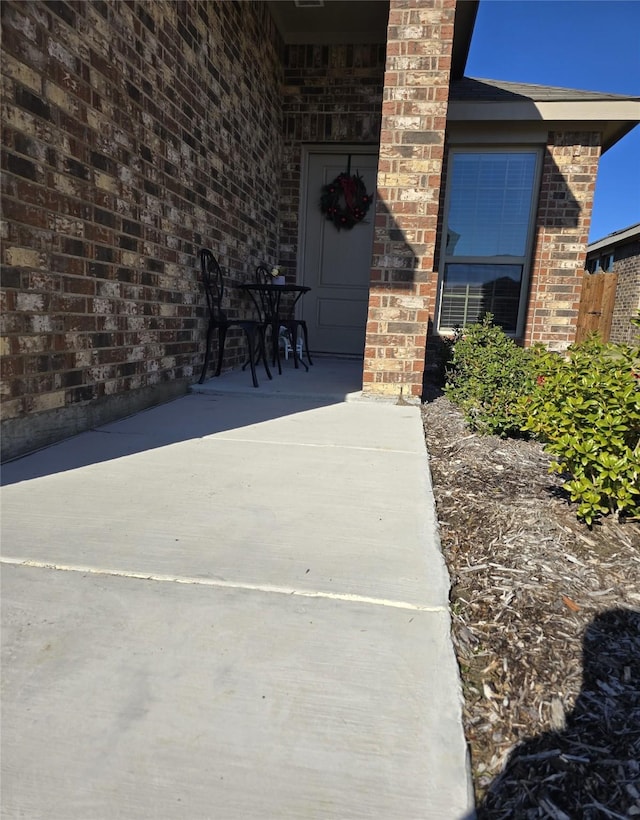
column 345, row 201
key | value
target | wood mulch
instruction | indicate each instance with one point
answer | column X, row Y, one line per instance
column 546, row 627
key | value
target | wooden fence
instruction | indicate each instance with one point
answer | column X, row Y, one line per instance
column 596, row 305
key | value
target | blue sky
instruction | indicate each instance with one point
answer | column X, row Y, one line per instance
column 587, row 44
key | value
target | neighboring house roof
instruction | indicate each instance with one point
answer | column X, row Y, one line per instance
column 611, row 240
column 481, row 100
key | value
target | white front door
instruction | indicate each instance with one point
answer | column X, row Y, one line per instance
column 336, row 264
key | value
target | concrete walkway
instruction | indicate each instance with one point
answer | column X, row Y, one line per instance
column 231, row 606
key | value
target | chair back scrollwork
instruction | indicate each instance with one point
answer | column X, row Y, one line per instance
column 213, row 281
column 219, row 323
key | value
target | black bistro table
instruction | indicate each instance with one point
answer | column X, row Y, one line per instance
column 267, row 299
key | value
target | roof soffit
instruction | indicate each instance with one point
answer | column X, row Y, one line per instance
column 614, row 115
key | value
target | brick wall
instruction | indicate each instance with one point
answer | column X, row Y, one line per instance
column 403, row 281
column 562, row 228
column 134, row 133
column 627, row 304
column 331, row 94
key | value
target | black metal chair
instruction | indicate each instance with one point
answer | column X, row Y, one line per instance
column 254, row 331
column 287, row 320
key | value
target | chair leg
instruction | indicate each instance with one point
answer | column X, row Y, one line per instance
column 222, row 335
column 206, row 356
column 303, row 325
column 257, row 357
column 283, row 341
column 293, row 333
column 261, row 352
column 262, row 339
column 275, row 344
column 250, row 334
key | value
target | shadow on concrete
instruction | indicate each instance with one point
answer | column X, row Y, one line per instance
column 225, row 403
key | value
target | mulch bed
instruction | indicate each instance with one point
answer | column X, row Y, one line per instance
column 546, row 627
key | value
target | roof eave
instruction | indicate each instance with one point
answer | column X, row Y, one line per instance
column 613, row 118
column 617, row 238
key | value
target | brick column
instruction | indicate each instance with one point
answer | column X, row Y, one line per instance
column 416, row 86
column 562, row 229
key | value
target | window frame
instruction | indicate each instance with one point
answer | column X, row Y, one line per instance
column 604, row 263
column 524, row 261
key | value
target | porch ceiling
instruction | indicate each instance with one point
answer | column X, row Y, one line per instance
column 335, row 21
column 359, row 21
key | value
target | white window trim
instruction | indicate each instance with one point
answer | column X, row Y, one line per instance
column 525, row 261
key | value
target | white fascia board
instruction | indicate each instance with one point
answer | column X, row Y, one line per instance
column 591, row 111
column 612, row 118
column 532, row 111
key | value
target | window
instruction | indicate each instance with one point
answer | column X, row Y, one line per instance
column 601, row 264
column 605, row 264
column 488, row 237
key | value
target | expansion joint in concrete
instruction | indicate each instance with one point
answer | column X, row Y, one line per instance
column 223, row 584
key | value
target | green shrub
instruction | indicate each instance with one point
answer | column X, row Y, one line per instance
column 486, row 376
column 585, row 407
